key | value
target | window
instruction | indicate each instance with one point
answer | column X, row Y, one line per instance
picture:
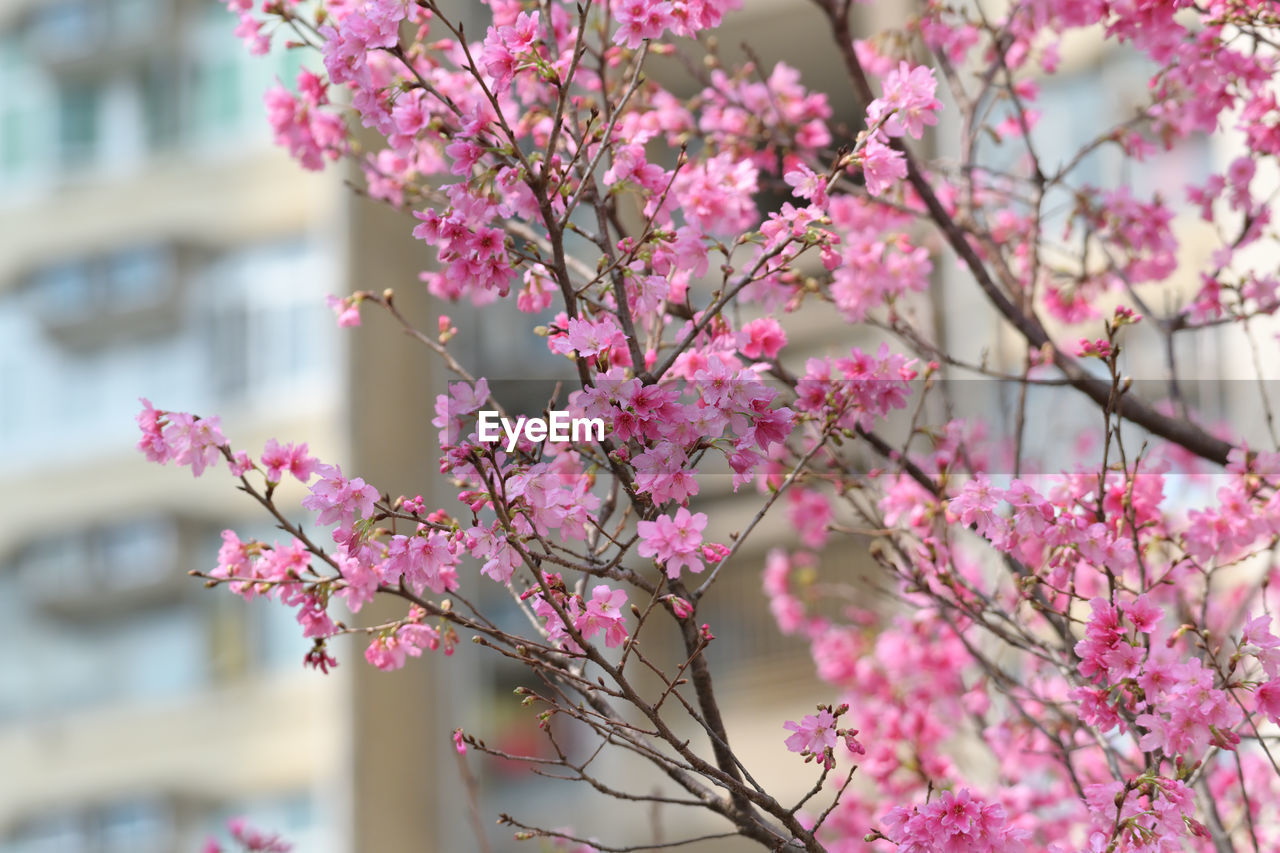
column 227, row 340
column 137, row 554
column 88, row 304
column 25, row 116
column 161, row 107
column 136, row 826
column 294, row 816
column 11, row 394
column 136, row 278
column 68, row 29
column 140, row 826
column 65, row 289
column 81, row 340
column 95, row 657
column 100, row 568
column 99, row 84
column 224, row 84
column 215, row 84
column 78, row 122
column 64, row 834
column 135, row 17
column 266, row 323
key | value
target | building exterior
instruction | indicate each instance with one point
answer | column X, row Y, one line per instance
column 154, row 243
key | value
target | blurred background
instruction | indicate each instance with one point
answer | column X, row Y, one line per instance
column 153, row 243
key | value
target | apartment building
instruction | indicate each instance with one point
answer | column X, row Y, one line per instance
column 153, row 242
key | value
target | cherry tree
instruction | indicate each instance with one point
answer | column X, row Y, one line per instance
column 1097, row 631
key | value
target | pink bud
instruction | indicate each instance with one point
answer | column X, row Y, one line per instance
column 458, row 743
column 681, row 608
column 714, row 552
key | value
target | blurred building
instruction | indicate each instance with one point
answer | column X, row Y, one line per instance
column 154, row 243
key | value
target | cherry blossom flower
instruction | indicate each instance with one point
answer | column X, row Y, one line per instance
column 674, row 542
column 603, row 612
column 814, row 734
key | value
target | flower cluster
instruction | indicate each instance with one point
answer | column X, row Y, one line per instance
column 601, row 614
column 1062, row 650
column 955, row 821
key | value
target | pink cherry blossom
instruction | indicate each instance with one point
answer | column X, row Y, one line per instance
column 674, row 542
column 813, row 734
column 189, row 440
column 339, row 499
column 908, row 103
column 277, row 459
column 882, row 166
column 603, row 612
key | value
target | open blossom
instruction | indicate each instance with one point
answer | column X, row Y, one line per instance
column 1256, row 639
column 1267, row 699
column 604, row 612
column 953, row 821
column 806, row 184
column 809, row 512
column 662, row 472
column 371, row 25
column 277, row 459
column 589, row 337
column 192, row 441
column 310, row 133
column 882, row 166
column 857, row 389
column 426, row 560
column 338, row 499
column 976, row 506
column 908, row 103
column 501, row 560
column 553, row 623
column 762, row 338
column 631, row 164
column 641, row 19
column 388, row 651
column 674, row 542
column 506, row 45
column 814, row 734
column 313, row 616
column 716, row 195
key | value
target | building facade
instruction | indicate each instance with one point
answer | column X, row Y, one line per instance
column 154, row 243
